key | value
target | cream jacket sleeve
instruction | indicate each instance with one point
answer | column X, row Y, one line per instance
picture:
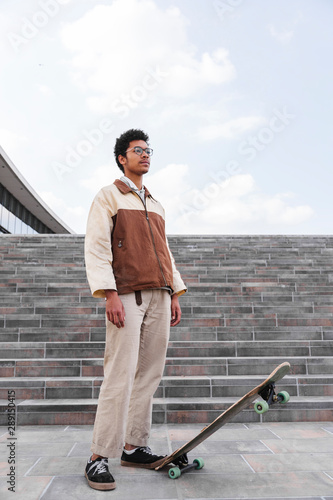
column 97, row 248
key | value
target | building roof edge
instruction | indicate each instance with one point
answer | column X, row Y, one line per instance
column 18, row 186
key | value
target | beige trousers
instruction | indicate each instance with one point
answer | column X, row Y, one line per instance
column 134, row 361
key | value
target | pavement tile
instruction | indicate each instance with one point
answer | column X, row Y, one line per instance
column 128, row 487
column 243, row 434
column 226, row 447
column 220, row 486
column 27, row 488
column 289, row 426
column 4, row 437
column 271, row 498
column 81, row 450
column 58, row 466
column 224, row 464
column 3, row 433
column 302, row 433
column 159, row 431
column 49, row 436
column 300, row 445
column 329, row 429
column 177, row 433
column 33, row 449
column 40, row 427
column 290, row 462
column 22, row 465
column 69, row 428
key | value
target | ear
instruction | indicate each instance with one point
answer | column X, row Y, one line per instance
column 121, row 159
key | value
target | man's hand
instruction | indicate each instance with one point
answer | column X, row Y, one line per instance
column 176, row 312
column 114, row 308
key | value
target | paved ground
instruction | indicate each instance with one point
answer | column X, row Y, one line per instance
column 273, row 460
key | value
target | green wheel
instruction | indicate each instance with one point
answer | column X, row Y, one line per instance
column 200, row 463
column 284, row 395
column 261, row 407
column 174, row 472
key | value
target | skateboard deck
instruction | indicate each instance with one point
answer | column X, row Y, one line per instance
column 266, row 390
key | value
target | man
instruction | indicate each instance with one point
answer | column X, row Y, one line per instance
column 128, row 262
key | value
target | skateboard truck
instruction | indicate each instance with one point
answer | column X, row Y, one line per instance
column 270, row 397
column 181, row 461
column 183, row 466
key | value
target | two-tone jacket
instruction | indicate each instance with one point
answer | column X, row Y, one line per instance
column 126, row 248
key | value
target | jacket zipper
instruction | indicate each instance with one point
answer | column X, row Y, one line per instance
column 153, row 239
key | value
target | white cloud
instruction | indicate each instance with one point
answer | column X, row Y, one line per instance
column 231, row 129
column 45, row 90
column 283, row 36
column 196, row 112
column 171, row 179
column 101, row 176
column 234, row 206
column 118, row 58
column 190, row 75
column 11, row 142
column 72, row 215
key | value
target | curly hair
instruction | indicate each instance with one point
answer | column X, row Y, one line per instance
column 123, row 141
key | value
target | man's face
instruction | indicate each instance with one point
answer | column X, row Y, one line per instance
column 134, row 163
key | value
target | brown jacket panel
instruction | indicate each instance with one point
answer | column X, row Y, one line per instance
column 141, row 258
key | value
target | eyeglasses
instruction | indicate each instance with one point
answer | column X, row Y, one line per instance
column 139, row 150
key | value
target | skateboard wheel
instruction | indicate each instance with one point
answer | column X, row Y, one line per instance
column 283, row 397
column 261, row 407
column 174, row 472
column 200, row 463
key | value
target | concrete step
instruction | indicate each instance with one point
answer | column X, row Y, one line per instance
column 247, row 366
column 191, row 411
column 178, row 334
column 171, row 410
column 257, row 315
column 21, row 350
column 192, row 298
column 174, row 366
column 307, row 277
column 217, row 386
column 215, row 309
column 260, row 270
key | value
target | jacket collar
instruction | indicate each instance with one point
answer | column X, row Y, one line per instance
column 123, row 188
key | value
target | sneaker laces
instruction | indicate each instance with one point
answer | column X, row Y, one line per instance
column 146, row 449
column 101, row 466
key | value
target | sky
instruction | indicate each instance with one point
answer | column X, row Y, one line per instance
column 236, row 96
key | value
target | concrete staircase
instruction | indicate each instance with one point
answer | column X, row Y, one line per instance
column 253, row 302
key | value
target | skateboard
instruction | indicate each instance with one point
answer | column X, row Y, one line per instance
column 267, row 392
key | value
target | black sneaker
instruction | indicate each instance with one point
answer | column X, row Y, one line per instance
column 98, row 474
column 142, row 457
